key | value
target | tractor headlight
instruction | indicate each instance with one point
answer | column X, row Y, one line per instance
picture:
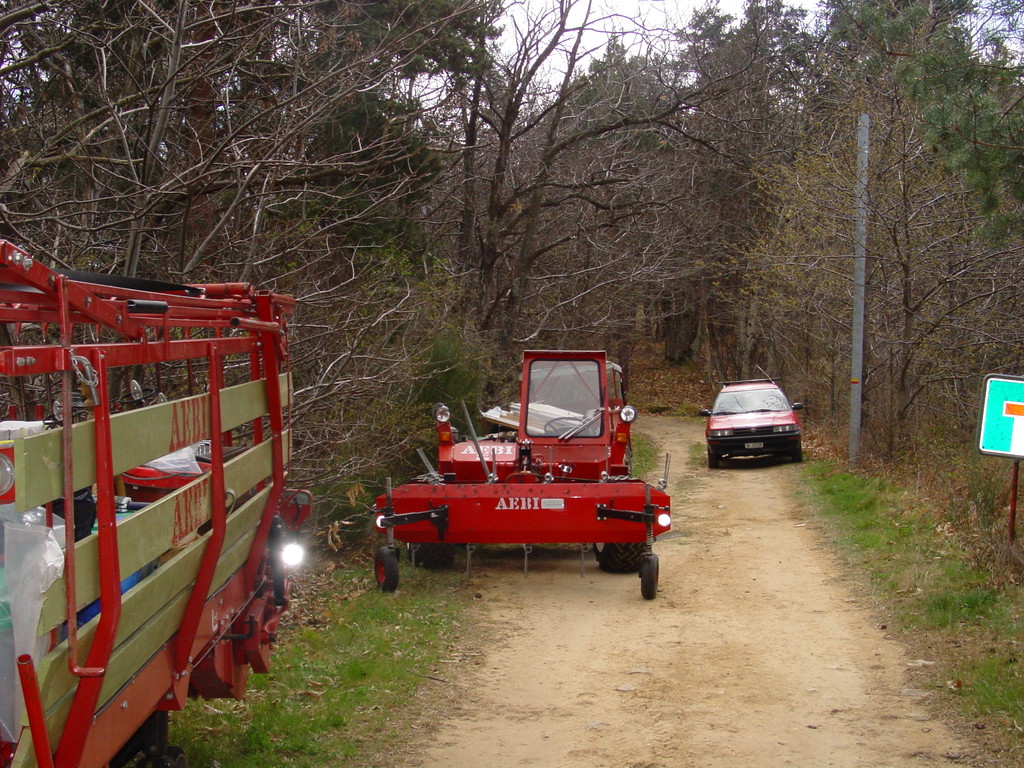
column 380, row 522
column 292, row 554
column 6, row 474
column 442, row 413
column 664, row 519
column 628, row 413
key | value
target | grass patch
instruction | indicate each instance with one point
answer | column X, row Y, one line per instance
column 903, row 548
column 934, row 593
column 340, row 676
column 995, row 684
column 698, row 454
column 646, row 455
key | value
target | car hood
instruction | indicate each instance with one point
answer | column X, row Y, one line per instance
column 751, row 420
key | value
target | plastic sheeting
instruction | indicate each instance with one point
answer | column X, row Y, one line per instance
column 182, row 461
column 33, row 560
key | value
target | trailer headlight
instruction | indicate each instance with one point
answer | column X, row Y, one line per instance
column 292, row 554
column 442, row 413
column 628, row 413
column 664, row 519
column 6, row 474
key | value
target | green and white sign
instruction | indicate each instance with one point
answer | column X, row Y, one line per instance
column 1001, row 431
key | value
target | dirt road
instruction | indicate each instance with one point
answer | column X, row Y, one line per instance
column 754, row 653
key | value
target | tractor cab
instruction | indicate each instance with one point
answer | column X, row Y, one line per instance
column 574, row 424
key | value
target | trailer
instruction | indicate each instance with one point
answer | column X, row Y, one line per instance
column 148, row 531
column 557, row 470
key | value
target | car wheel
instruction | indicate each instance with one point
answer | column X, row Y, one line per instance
column 798, row 454
column 713, row 459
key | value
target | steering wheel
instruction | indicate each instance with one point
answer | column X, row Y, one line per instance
column 559, row 425
column 136, row 395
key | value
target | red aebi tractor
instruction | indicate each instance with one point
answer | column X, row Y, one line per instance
column 556, row 471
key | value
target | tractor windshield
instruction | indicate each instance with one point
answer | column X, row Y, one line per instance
column 564, row 399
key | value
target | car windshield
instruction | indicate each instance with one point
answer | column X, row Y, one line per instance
column 750, row 401
column 564, row 397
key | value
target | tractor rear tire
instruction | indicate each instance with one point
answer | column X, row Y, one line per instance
column 385, row 568
column 649, row 576
column 619, row 557
column 435, row 557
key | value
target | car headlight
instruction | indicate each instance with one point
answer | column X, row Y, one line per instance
column 719, row 433
column 786, row 428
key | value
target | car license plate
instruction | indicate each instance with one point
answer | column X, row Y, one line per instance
column 751, row 446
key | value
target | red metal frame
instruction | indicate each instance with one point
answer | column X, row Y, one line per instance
column 193, row 612
column 34, row 711
column 527, row 513
column 220, row 637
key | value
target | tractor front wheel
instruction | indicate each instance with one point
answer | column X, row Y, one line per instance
column 385, row 567
column 649, row 576
column 619, row 557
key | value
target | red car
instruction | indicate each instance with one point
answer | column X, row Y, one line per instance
column 752, row 418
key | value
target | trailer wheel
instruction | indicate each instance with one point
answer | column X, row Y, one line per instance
column 619, row 557
column 175, row 758
column 435, row 557
column 385, row 567
column 649, row 576
column 172, row 757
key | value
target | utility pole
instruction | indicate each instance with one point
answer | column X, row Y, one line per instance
column 860, row 243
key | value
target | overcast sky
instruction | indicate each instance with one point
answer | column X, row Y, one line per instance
column 677, row 12
column 621, row 16
column 654, row 14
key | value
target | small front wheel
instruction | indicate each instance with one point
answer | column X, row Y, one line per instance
column 385, row 567
column 649, row 576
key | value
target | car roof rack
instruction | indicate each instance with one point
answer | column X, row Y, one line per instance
column 750, row 381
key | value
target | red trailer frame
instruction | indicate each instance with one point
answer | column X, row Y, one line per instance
column 186, row 593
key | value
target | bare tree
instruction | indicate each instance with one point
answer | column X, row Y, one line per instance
column 568, row 178
column 284, row 143
column 940, row 295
